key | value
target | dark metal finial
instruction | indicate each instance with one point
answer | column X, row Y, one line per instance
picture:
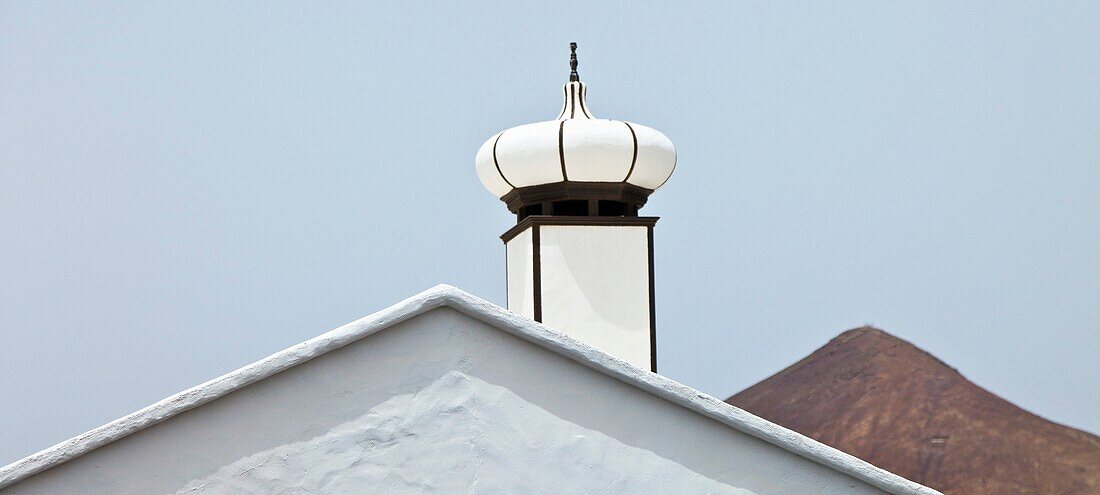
column 573, row 76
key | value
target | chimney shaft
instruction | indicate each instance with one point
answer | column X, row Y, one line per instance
column 580, row 259
column 589, row 277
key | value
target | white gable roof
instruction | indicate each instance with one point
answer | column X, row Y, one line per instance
column 494, row 316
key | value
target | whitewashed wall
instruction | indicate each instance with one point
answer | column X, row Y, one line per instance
column 595, row 287
column 521, row 270
column 440, row 403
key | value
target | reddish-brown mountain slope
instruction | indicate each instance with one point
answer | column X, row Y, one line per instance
column 884, row 400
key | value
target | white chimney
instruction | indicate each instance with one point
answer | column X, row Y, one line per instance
column 580, row 259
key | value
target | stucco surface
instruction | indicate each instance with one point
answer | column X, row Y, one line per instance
column 445, row 391
column 458, row 435
column 520, row 262
column 595, row 287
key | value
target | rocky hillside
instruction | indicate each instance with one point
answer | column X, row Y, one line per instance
column 884, row 400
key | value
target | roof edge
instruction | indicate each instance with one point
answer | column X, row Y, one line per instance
column 198, row 395
column 482, row 310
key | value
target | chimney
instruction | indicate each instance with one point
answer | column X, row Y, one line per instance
column 579, row 258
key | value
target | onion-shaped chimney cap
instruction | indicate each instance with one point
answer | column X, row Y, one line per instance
column 576, row 150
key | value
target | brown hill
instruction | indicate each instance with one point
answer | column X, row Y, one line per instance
column 884, row 400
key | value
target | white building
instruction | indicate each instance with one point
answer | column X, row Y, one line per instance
column 447, row 393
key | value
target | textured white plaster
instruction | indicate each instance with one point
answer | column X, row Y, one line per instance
column 458, row 435
column 647, row 384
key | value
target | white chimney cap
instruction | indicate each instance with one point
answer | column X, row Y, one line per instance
column 575, row 148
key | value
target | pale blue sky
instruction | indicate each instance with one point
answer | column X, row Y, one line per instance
column 187, row 187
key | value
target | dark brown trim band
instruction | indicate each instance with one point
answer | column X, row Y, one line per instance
column 572, row 101
column 584, row 106
column 507, row 293
column 536, row 276
column 536, row 220
column 561, row 150
column 497, row 164
column 564, row 191
column 634, row 159
column 652, row 308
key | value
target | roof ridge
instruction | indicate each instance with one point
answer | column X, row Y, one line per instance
column 496, row 316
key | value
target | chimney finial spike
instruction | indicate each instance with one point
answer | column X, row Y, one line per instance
column 573, row 76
